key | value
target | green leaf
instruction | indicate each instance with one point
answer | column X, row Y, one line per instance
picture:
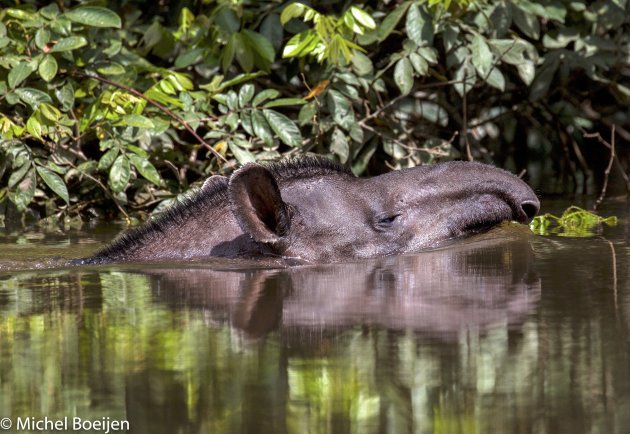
column 419, row 26
column 33, row 97
column 496, row 79
column 272, row 30
column 65, row 95
column 231, row 120
column 403, row 75
column 363, row 17
column 137, row 121
column 285, row 101
column 527, row 71
column 227, row 20
column 50, row 112
column 94, row 16
column 261, row 45
column 243, row 156
column 284, row 127
column 241, row 78
column 18, row 74
column 261, row 127
column 25, row 191
column 307, row 113
column 227, row 54
column 48, row 68
column 265, row 95
column 54, row 182
column 113, row 68
column 138, row 151
column 51, row 11
column 146, row 169
column 34, row 127
column 19, row 174
column 341, row 109
column 301, row 44
column 362, row 63
column 465, row 77
column 189, row 57
column 243, row 52
column 42, row 37
column 245, row 94
column 392, row 19
column 526, row 22
column 69, row 44
column 293, row 10
column 108, row 159
column 119, row 174
column 339, row 145
column 481, row 56
column 420, row 65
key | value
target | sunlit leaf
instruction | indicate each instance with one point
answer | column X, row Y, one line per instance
column 403, row 75
column 362, row 17
column 146, row 169
column 94, row 16
column 481, row 56
column 48, row 68
column 245, row 94
column 69, row 43
column 108, row 159
column 119, row 174
column 293, row 10
column 18, row 74
column 34, row 127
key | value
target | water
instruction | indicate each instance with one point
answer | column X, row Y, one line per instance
column 507, row 332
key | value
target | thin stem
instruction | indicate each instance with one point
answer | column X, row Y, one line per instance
column 160, row 107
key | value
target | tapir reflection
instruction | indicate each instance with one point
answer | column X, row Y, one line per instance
column 472, row 285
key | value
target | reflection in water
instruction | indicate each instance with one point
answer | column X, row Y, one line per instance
column 469, row 338
column 440, row 292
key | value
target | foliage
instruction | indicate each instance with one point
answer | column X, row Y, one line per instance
column 574, row 222
column 128, row 106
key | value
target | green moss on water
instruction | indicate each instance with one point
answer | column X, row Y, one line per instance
column 574, row 222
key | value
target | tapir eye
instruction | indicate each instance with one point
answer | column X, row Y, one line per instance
column 385, row 221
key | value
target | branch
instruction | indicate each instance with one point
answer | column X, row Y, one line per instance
column 160, row 107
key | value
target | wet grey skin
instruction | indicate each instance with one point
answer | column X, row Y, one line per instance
column 315, row 210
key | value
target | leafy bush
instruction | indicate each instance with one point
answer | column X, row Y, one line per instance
column 126, row 107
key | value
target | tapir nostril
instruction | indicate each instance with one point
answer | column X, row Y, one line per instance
column 530, row 208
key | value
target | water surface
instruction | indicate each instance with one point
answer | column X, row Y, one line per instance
column 507, row 332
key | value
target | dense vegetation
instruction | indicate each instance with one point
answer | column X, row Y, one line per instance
column 116, row 108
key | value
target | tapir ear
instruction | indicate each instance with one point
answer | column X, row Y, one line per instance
column 257, row 204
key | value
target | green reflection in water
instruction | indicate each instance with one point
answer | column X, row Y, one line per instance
column 122, row 344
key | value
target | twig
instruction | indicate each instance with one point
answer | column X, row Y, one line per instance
column 614, row 265
column 160, row 107
column 610, row 146
column 465, row 114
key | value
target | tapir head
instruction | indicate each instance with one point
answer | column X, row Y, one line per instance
column 333, row 215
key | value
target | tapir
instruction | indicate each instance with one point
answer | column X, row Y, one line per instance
column 314, row 210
